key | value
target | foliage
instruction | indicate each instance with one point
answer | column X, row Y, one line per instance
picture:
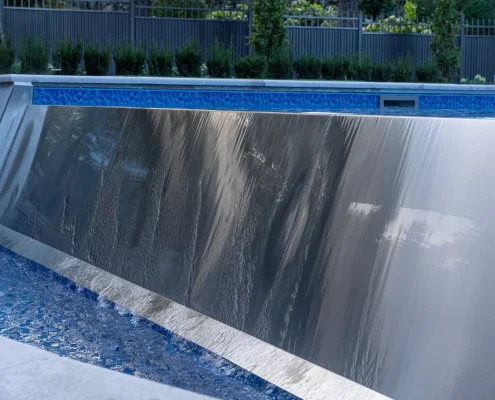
column 179, row 9
column 361, row 69
column 219, row 61
column 129, row 60
column 33, row 55
column 188, row 60
column 160, row 61
column 305, row 8
column 68, row 56
column 483, row 9
column 250, row 67
column 394, row 24
column 428, row 73
column 383, row 72
column 403, row 70
column 308, row 68
column 96, row 59
column 410, row 13
column 445, row 27
column 478, row 80
column 280, row 64
column 335, row 68
column 238, row 13
column 269, row 32
column 7, row 57
column 376, row 7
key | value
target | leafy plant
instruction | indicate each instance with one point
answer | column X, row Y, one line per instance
column 160, row 61
column 478, row 80
column 129, row 60
column 269, row 33
column 219, row 61
column 315, row 12
column 394, row 24
column 250, row 67
column 7, row 57
column 335, row 68
column 188, row 60
column 403, row 70
column 68, row 56
column 308, row 68
column 96, row 59
column 383, row 72
column 361, row 69
column 428, row 73
column 178, row 9
column 33, row 55
column 280, row 64
column 376, row 7
column 445, row 26
column 239, row 13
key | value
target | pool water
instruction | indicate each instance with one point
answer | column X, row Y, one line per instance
column 40, row 308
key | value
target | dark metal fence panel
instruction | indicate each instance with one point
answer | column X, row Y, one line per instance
column 174, row 33
column 479, row 57
column 323, row 42
column 52, row 25
column 383, row 47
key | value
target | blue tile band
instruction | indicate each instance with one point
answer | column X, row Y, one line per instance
column 205, row 99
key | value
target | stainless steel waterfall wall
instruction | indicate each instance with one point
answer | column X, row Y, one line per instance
column 364, row 244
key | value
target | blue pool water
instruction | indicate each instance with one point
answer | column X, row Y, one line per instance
column 41, row 308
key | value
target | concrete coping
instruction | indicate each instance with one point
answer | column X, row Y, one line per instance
column 120, row 81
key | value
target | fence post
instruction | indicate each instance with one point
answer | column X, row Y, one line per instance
column 463, row 46
column 250, row 24
column 132, row 21
column 2, row 20
column 360, row 34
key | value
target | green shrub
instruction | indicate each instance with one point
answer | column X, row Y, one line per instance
column 478, row 80
column 129, row 60
column 306, row 8
column 361, row 69
column 33, row 55
column 7, row 57
column 240, row 13
column 335, row 68
column 219, row 61
column 384, row 72
column 67, row 56
column 308, row 68
column 445, row 26
column 428, row 73
column 403, row 70
column 96, row 59
column 269, row 32
column 188, row 60
column 196, row 9
column 250, row 67
column 280, row 64
column 160, row 61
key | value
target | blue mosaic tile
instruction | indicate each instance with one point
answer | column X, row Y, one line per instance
column 205, row 99
column 453, row 102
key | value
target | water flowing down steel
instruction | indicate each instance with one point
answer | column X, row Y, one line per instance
column 363, row 244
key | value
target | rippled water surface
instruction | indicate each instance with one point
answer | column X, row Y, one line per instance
column 38, row 309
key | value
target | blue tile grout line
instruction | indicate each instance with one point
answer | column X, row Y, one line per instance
column 244, row 100
column 177, row 342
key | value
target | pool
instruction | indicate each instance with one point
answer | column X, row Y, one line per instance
column 41, row 308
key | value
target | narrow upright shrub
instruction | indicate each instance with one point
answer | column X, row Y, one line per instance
column 67, row 56
column 160, row 61
column 269, row 32
column 280, row 64
column 219, row 61
column 308, row 68
column 188, row 60
column 383, row 72
column 250, row 67
column 361, row 69
column 7, row 57
column 33, row 55
column 445, row 27
column 129, row 60
column 404, row 70
column 335, row 68
column 96, row 59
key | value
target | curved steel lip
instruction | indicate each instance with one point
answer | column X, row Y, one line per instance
column 287, row 371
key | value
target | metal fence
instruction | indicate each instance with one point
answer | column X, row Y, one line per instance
column 174, row 22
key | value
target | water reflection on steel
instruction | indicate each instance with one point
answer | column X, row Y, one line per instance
column 363, row 244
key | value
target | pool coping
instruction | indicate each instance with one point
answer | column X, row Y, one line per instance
column 287, row 371
column 120, row 81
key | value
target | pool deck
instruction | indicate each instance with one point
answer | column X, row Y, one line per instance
column 122, row 81
column 27, row 372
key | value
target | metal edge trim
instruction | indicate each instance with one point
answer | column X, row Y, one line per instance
column 289, row 372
